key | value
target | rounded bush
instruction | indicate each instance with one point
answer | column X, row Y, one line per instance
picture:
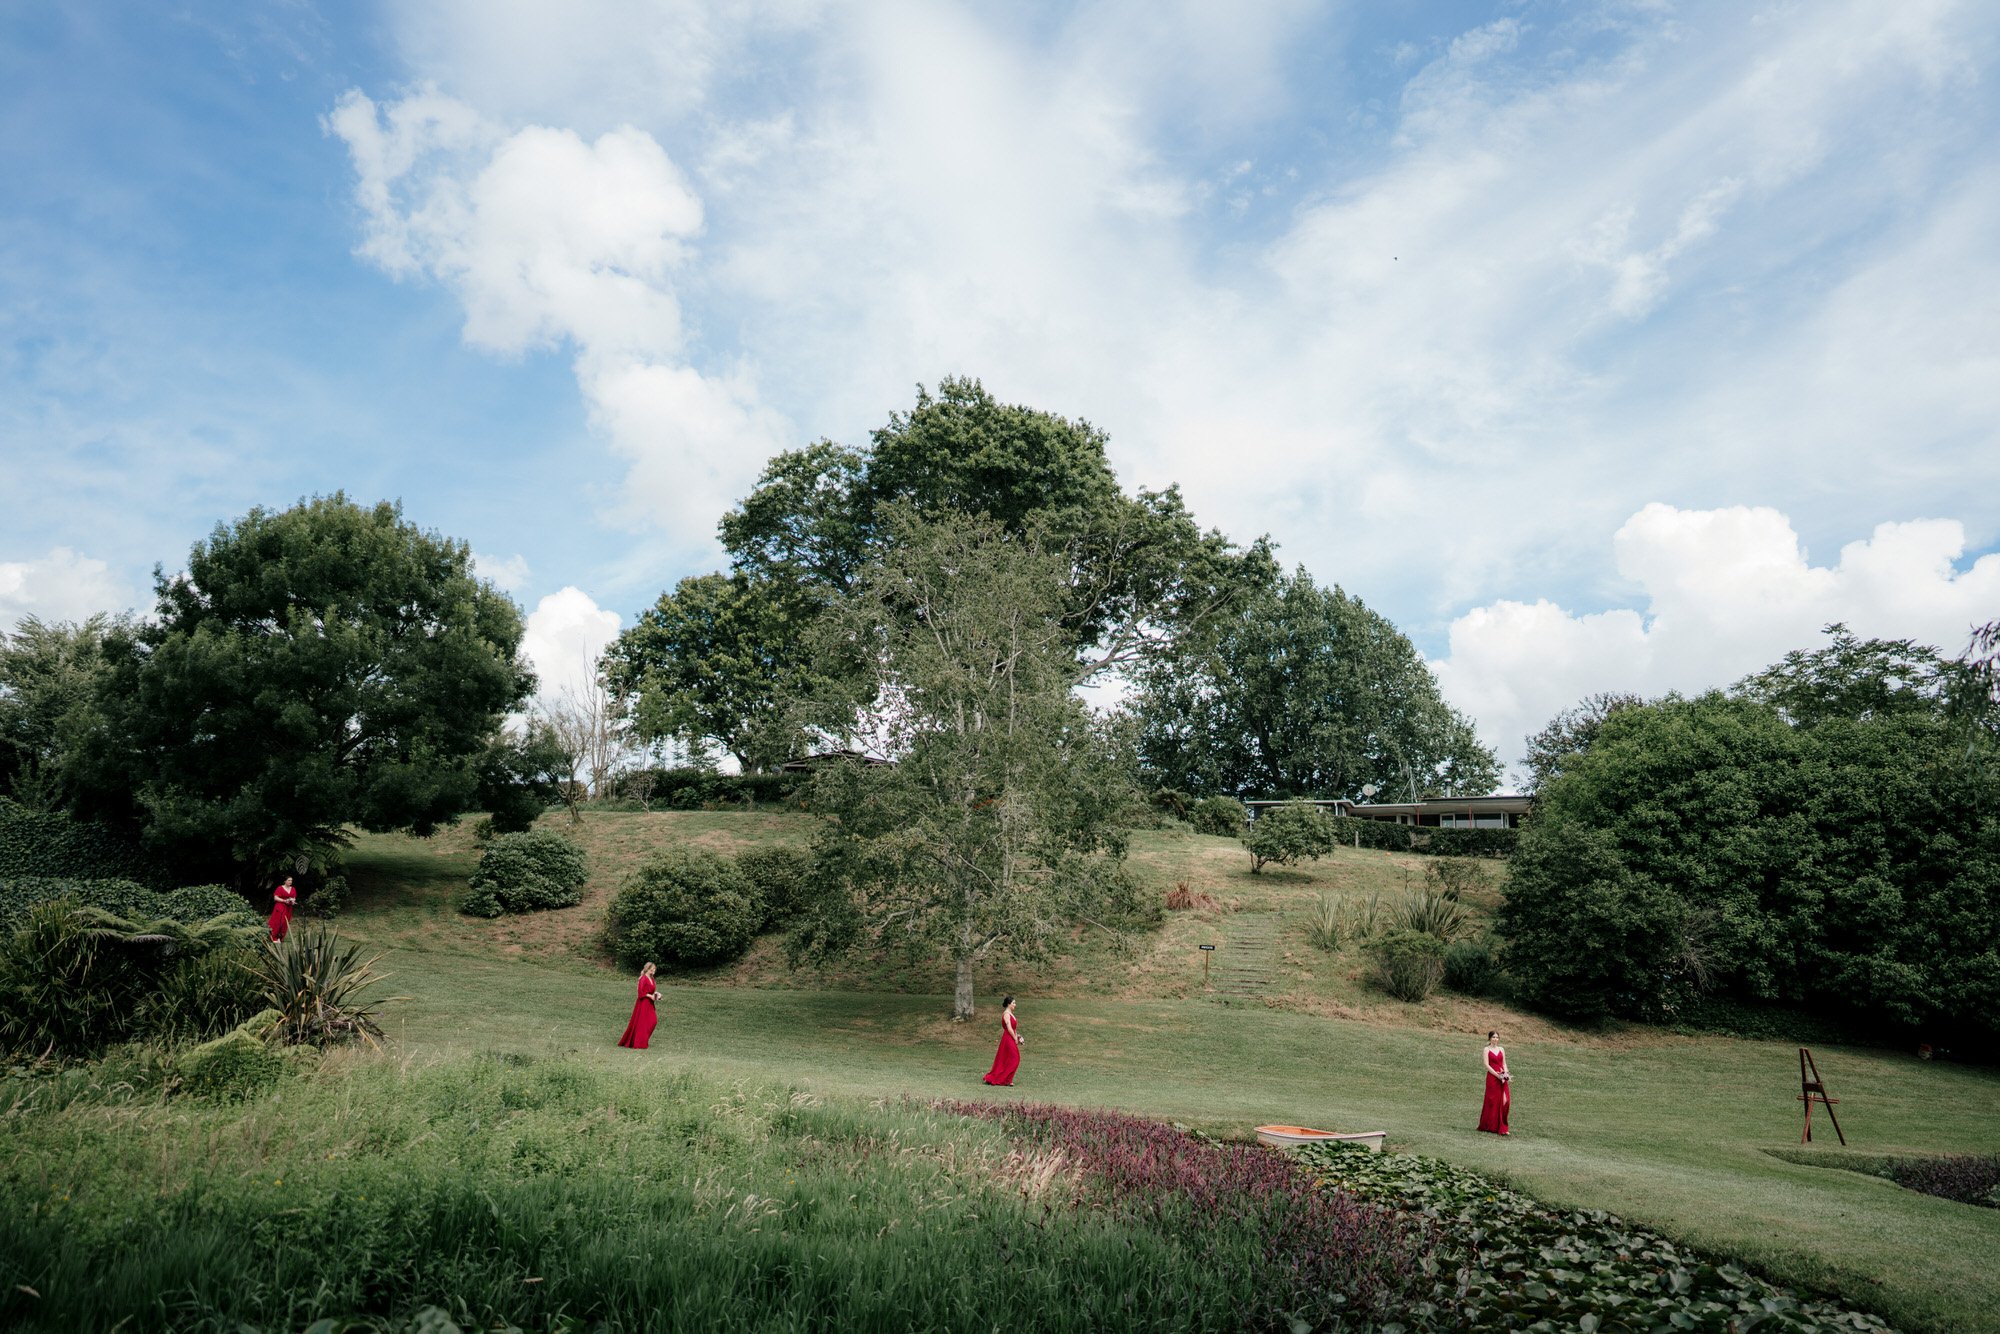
column 1470, row 968
column 1225, row 817
column 684, row 907
column 1284, row 835
column 231, row 1068
column 526, row 872
column 1408, row 964
column 779, row 876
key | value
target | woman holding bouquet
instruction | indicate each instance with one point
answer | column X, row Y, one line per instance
column 281, row 909
column 1008, row 1059
column 639, row 1029
column 1499, row 1088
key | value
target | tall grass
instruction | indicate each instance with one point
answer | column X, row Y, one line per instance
column 545, row 1194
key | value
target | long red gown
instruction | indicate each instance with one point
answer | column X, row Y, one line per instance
column 639, row 1030
column 1499, row 1094
column 1008, row 1059
column 281, row 911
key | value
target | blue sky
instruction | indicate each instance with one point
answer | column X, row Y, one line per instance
column 1602, row 346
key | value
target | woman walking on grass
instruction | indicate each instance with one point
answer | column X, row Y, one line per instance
column 639, row 1029
column 281, row 909
column 1499, row 1087
column 1008, row 1059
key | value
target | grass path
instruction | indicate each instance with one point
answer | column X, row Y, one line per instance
column 1668, row 1131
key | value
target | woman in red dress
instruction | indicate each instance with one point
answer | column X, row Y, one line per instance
column 1008, row 1059
column 281, row 911
column 639, row 1030
column 1499, row 1088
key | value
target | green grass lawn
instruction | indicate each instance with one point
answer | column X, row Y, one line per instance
column 1671, row 1131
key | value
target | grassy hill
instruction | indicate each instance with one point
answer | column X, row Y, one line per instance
column 402, row 891
column 1669, row 1130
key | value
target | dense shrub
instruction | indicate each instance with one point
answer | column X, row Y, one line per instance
column 199, row 995
column 1710, row 848
column 1171, row 802
column 1224, row 817
column 779, row 877
column 230, row 1068
column 683, row 907
column 126, row 898
column 74, row 980
column 1504, row 1262
column 689, row 789
column 526, row 872
column 1284, row 835
column 1408, row 964
column 1967, row 1178
column 43, row 843
column 1471, row 968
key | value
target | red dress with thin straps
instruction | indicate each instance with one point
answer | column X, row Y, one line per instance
column 639, row 1030
column 1499, row 1094
column 281, row 911
column 1008, row 1059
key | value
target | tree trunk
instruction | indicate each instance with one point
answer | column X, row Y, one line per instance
column 961, row 1001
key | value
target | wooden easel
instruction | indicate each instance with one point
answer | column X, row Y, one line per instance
column 1812, row 1089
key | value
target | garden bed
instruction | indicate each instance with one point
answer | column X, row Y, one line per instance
column 1503, row 1261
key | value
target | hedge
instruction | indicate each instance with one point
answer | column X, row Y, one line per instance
column 685, row 906
column 127, row 898
column 684, row 789
column 1386, row 837
column 44, row 843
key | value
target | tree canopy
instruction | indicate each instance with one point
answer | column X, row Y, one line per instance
column 50, row 675
column 314, row 667
column 996, row 826
column 716, row 656
column 1305, row 691
column 1718, row 847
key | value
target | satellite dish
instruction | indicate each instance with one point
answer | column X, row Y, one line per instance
column 1369, row 789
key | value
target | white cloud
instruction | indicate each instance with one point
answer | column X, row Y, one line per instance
column 1725, row 592
column 1591, row 256
column 59, row 586
column 509, row 575
column 566, row 632
column 547, row 239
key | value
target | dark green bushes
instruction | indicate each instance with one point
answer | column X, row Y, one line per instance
column 75, row 980
column 778, row 876
column 1408, row 964
column 43, row 843
column 688, row 789
column 684, row 907
column 125, row 898
column 1224, row 817
column 1710, row 849
column 526, row 872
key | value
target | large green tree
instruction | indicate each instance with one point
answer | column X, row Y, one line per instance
column 716, row 656
column 316, row 667
column 1849, row 865
column 49, row 685
column 997, row 825
column 1305, row 691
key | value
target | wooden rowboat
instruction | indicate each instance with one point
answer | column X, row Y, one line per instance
column 1290, row 1137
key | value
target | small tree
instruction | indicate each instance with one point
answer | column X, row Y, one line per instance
column 995, row 827
column 1286, row 835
